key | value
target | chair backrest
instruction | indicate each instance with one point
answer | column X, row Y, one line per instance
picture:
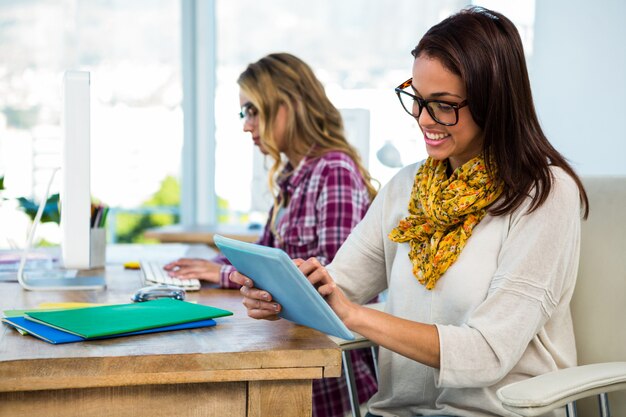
column 599, row 301
column 356, row 123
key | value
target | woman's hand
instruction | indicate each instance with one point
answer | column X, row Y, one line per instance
column 187, row 268
column 258, row 302
column 321, row 279
column 417, row 341
column 260, row 305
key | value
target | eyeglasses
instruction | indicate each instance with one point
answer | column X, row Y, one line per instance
column 443, row 112
column 248, row 112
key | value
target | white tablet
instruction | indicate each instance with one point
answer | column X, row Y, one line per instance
column 272, row 270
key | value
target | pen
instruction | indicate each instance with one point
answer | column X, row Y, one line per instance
column 96, row 220
column 103, row 216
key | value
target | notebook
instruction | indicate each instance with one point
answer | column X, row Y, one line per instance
column 272, row 270
column 124, row 318
column 55, row 336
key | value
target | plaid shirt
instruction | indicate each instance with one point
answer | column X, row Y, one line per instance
column 326, row 199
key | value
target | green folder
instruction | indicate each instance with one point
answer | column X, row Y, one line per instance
column 122, row 318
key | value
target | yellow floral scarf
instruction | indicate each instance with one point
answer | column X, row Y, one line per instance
column 443, row 212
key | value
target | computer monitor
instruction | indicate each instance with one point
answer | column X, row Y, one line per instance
column 77, row 237
column 75, row 195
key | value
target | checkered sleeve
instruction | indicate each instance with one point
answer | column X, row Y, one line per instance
column 225, row 271
column 341, row 204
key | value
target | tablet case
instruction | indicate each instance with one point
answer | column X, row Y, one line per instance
column 272, row 270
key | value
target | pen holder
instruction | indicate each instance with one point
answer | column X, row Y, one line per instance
column 97, row 247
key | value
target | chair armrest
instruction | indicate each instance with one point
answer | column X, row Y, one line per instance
column 543, row 393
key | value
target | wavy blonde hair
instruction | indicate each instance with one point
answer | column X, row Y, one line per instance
column 314, row 126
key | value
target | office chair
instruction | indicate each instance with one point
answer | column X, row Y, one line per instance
column 346, row 346
column 598, row 312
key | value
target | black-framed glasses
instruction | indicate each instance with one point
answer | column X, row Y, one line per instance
column 443, row 112
column 248, row 112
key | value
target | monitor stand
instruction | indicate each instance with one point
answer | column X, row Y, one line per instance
column 57, row 280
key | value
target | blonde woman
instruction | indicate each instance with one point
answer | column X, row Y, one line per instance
column 321, row 189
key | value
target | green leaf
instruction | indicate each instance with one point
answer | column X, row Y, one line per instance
column 50, row 211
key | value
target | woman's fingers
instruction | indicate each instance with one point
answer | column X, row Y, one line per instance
column 258, row 302
column 240, row 279
column 203, row 271
column 254, row 304
column 183, row 262
column 255, row 293
column 309, row 265
column 189, row 273
column 262, row 315
column 326, row 289
column 315, row 272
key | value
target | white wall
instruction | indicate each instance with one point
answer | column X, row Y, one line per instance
column 578, row 75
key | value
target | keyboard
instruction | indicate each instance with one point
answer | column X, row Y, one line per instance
column 153, row 273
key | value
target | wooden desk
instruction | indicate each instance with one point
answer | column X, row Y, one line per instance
column 179, row 233
column 241, row 367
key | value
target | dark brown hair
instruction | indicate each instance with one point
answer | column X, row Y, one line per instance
column 484, row 48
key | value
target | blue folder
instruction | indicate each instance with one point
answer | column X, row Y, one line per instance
column 55, row 336
column 272, row 270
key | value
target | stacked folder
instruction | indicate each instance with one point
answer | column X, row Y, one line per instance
column 103, row 322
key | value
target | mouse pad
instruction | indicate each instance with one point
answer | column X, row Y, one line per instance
column 272, row 270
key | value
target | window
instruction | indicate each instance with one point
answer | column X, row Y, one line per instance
column 132, row 50
column 521, row 13
column 359, row 49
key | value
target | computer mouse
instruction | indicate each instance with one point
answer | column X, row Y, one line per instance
column 154, row 292
column 255, row 226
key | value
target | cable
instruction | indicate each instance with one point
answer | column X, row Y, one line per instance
column 33, row 228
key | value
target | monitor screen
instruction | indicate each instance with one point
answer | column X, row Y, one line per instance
column 82, row 246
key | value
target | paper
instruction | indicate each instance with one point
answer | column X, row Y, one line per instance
column 10, row 260
column 36, row 262
column 68, row 304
